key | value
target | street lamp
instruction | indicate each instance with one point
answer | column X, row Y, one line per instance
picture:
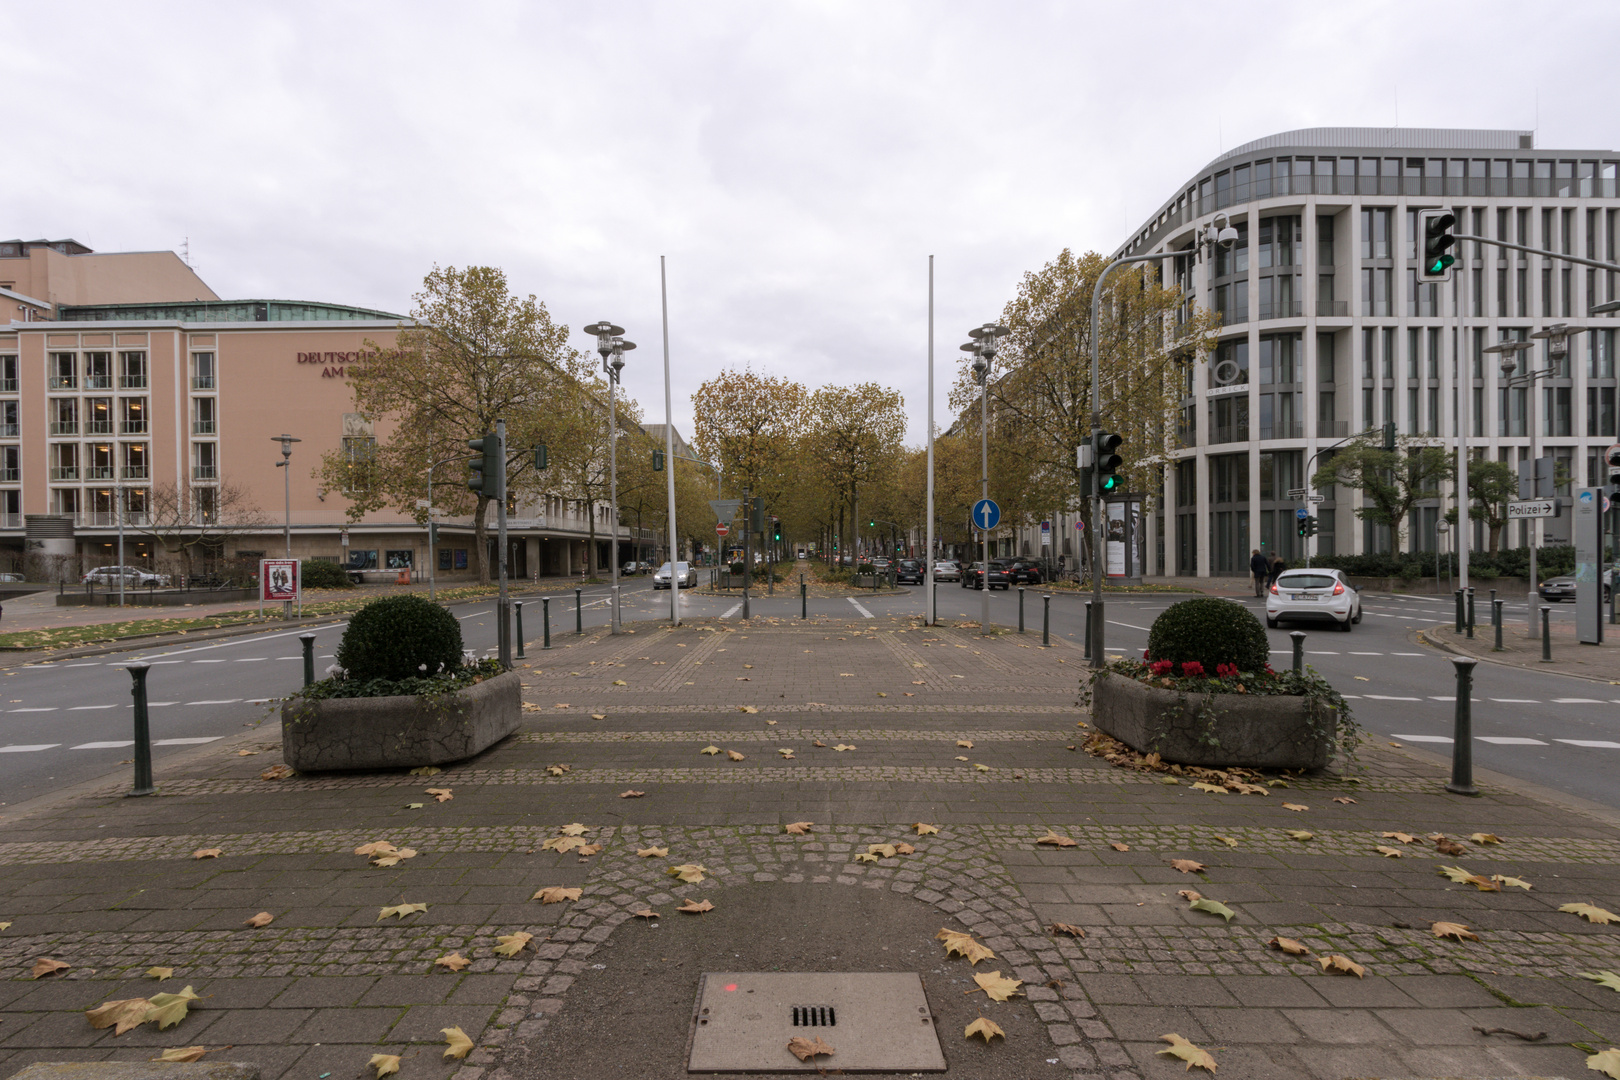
column 612, row 347
column 1509, row 352
column 286, row 442
column 1606, row 309
column 984, row 349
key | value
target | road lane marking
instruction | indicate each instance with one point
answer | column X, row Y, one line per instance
column 729, row 612
column 258, row 700
column 1111, row 622
column 102, row 745
column 1386, row 697
column 858, row 607
column 1408, row 654
column 1517, row 700
column 208, row 661
column 1506, row 740
column 49, row 708
column 221, row 701
column 1423, row 738
column 1595, row 744
column 28, row 749
column 82, row 708
column 93, row 663
column 250, row 659
column 1321, row 653
column 188, row 742
column 1578, row 701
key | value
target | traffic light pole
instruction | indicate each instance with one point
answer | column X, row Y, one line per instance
column 984, row 494
column 504, row 638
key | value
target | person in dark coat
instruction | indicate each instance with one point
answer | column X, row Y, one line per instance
column 1261, row 571
column 1277, row 567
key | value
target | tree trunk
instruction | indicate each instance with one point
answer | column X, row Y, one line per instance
column 590, row 547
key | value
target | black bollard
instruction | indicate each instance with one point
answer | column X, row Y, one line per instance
column 143, row 730
column 518, row 606
column 1546, row 638
column 1020, row 609
column 1470, row 612
column 1459, row 597
column 1497, row 618
column 579, row 611
column 1046, row 621
column 1088, row 630
column 1462, row 745
column 309, row 657
column 545, row 618
column 1298, row 637
column 804, row 604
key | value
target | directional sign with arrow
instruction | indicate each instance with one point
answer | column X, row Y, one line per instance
column 986, row 514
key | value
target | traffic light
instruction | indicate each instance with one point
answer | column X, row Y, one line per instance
column 776, row 530
column 1389, row 437
column 1434, row 227
column 485, row 474
column 658, row 461
column 1108, row 479
column 1307, row 526
column 541, row 460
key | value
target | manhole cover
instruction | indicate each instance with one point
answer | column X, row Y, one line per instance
column 874, row 1021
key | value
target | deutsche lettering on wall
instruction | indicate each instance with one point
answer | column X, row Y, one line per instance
column 332, row 362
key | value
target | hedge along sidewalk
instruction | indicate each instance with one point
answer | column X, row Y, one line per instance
column 1599, row 663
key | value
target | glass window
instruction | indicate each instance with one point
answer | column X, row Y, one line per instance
column 362, row 559
column 64, row 368
column 8, row 373
column 98, row 416
column 202, row 415
column 1324, row 359
column 399, row 559
column 135, row 461
column 98, row 371
column 100, row 463
column 64, row 416
column 202, row 371
column 134, row 416
column 1231, row 363
column 132, row 370
column 204, row 461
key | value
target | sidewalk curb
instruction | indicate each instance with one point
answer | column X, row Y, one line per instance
column 1447, row 647
column 1528, row 789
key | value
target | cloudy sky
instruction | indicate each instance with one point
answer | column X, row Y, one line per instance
column 796, row 162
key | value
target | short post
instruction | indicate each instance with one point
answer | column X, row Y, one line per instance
column 545, row 619
column 1046, row 621
column 804, row 606
column 143, row 730
column 618, row 619
column 1298, row 637
column 1459, row 598
column 579, row 611
column 1470, row 612
column 1546, row 638
column 1088, row 630
column 1493, row 600
column 308, row 640
column 518, row 606
column 1462, row 735
column 1496, row 617
column 1020, row 609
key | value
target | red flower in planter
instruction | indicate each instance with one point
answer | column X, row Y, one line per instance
column 1161, row 667
column 1226, row 671
column 1193, row 669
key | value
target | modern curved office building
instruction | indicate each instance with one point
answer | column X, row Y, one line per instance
column 1327, row 331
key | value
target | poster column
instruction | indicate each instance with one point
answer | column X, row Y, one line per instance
column 1123, row 549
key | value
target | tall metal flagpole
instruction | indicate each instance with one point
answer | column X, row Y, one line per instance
column 928, row 553
column 1464, row 384
column 669, row 458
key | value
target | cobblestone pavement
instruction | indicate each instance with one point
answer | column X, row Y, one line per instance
column 883, row 736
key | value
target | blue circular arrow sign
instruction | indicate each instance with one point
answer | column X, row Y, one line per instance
column 1302, row 513
column 986, row 514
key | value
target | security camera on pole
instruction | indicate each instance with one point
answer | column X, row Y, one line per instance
column 612, row 347
column 986, row 514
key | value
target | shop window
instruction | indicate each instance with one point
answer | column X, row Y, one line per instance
column 398, row 560
column 362, row 559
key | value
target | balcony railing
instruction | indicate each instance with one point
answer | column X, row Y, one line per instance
column 10, row 476
column 8, row 431
column 99, row 472
column 132, row 382
column 8, row 386
column 64, row 427
column 98, row 382
column 202, row 427
column 1230, row 317
column 63, row 382
column 204, row 472
column 1229, row 435
column 1333, row 309
column 135, row 472
column 98, row 427
column 108, row 519
column 133, row 427
column 1289, row 309
column 64, row 472
column 11, row 521
column 1292, row 429
column 1332, row 429
column 202, row 382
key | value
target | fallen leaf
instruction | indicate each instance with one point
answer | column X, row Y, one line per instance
column 786, row 753
column 631, row 794
column 1190, row 895
column 276, row 772
column 124, row 1015
column 1345, row 799
column 620, row 682
column 690, row 873
column 1586, row 911
column 1405, row 838
column 710, row 750
column 5, row 926
column 573, row 828
column 747, row 708
column 392, row 858
column 1213, row 789
column 207, row 853
column 923, row 828
column 1186, row 1051
column 866, row 856
column 1342, row 964
column 1214, row 907
column 734, row 756
column 556, row 894
column 400, row 911
column 696, row 907
column 904, row 849
column 263, row 918
column 413, row 806
column 799, row 828
column 1289, row 946
column 1485, row 838
column 1227, row 840
column 513, row 943
column 1117, row 846
column 1187, row 866
column 961, row 944
column 46, row 966
column 457, row 1043
column 160, row 973
column 1066, row 928
column 1053, row 839
column 652, row 852
column 1449, row 847
column 554, row 770
column 1301, row 834
column 384, row 1064
column 1517, row 883
column 841, row 747
column 1602, row 978
column 598, row 716
column 646, row 913
column 987, row 1028
column 981, row 768
column 1453, row 930
column 772, row 723
column 960, row 758
column 1388, row 852
column 1606, row 1062
column 440, row 794
column 246, row 753
column 966, row 744
column 587, row 849
column 562, row 843
column 995, row 986
column 804, row 1049
column 169, row 1009
column 1294, row 806
column 888, row 851
column 1465, row 877
column 434, row 770
column 182, row 1053
column 376, row 847
column 454, row 961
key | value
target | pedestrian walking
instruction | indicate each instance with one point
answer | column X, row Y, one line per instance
column 1277, row 567
column 1261, row 571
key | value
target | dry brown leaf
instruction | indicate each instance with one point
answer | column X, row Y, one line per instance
column 1586, row 911
column 711, row 750
column 562, row 843
column 400, row 911
column 557, row 770
column 966, row 744
column 1188, row 866
column 958, row 943
column 1227, row 840
column 1213, row 789
column 556, row 894
column 441, row 794
column 46, row 966
column 1517, row 883
column 804, row 1049
column 996, row 986
column 1294, row 806
column 1449, row 847
column 457, row 1043
column 587, row 849
column 1186, row 1051
column 207, row 853
column 652, row 852
column 1054, row 840
column 124, row 1015
column 159, row 973
column 1117, row 846
column 1192, row 896
column 1405, row 838
column 1066, row 928
column 696, row 907
column 598, row 716
column 734, row 756
column 888, row 851
column 747, row 708
column 1453, row 930
column 169, row 1009
column 691, row 873
column 392, row 858
column 904, row 849
column 276, row 772
column 513, row 943
column 376, row 847
column 384, row 1064
column 841, row 747
column 989, row 1029
column 1342, row 964
column 454, row 961
column 1345, row 799
column 631, row 794
column 1606, row 1062
column 247, row 753
column 1289, row 946
column 573, row 828
column 1485, row 838
column 923, row 829
column 865, row 856
column 433, row 770
column 1388, row 852
column 799, row 828
column 263, row 918
column 182, row 1053
column 786, row 753
column 646, row 913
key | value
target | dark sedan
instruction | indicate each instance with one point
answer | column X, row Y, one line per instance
column 972, row 575
column 908, row 570
column 1025, row 572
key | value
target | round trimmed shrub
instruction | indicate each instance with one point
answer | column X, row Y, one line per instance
column 326, row 575
column 393, row 638
column 1211, row 631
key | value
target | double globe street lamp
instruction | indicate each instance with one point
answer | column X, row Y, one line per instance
column 984, row 349
column 612, row 346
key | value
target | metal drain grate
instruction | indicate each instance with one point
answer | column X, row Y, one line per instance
column 814, row 1016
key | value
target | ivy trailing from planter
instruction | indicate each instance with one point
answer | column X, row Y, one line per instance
column 427, row 686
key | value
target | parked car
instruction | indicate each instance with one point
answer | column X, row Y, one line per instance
column 686, row 571
column 11, row 577
column 909, row 570
column 880, row 562
column 1024, row 571
column 131, row 575
column 947, row 570
column 998, row 576
column 1313, row 595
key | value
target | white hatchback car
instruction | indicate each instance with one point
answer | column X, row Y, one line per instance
column 1314, row 595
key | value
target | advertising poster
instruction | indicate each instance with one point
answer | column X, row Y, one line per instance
column 280, row 582
column 1124, row 539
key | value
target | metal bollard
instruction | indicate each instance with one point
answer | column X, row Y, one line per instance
column 518, row 605
column 1298, row 637
column 1020, row 609
column 804, row 605
column 309, row 657
column 1088, row 630
column 1470, row 612
column 1497, row 618
column 579, row 611
column 1046, row 621
column 143, row 730
column 1459, row 598
column 545, row 618
column 1546, row 638
column 1462, row 745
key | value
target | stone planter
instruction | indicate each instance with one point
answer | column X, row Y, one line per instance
column 398, row 732
column 1249, row 731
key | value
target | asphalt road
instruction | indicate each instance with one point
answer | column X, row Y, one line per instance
column 68, row 721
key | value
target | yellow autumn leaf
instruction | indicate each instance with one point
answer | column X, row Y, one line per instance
column 1066, row 928
column 865, row 857
column 1505, row 882
column 513, row 943
column 1485, row 838
column 1214, row 907
column 1591, row 914
column 401, row 910
column 563, row 843
column 785, row 752
column 46, row 966
column 989, row 1029
column 996, row 986
column 966, row 744
column 1405, row 838
column 960, row 758
column 646, row 913
column 384, row 1064
column 1342, row 964
column 1188, row 866
column 982, row 768
column 631, row 794
column 160, row 973
column 1227, row 840
column 798, row 828
column 556, row 894
column 734, row 756
column 1289, row 946
column 121, row 1016
column 620, row 682
column 652, row 852
column 888, row 851
column 441, row 794
column 691, row 873
column 710, row 750
column 426, row 770
column 841, row 747
column 1453, row 930
column 1294, row 806
column 1186, row 1051
column 263, row 918
column 696, row 907
column 453, row 961
column 573, row 828
column 1301, row 834
column 169, row 1009
column 182, row 1053
column 1213, row 789
column 924, row 829
column 587, row 849
column 207, row 853
column 376, row 847
column 804, row 1049
column 749, row 709
column 1387, row 852
column 1054, row 840
column 958, row 943
column 1606, row 1062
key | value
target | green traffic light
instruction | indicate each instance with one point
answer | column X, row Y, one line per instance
column 1110, row 484
column 1440, row 265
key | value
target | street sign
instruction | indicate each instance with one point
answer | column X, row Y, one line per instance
column 722, row 529
column 1539, row 508
column 986, row 514
column 1296, row 493
column 1302, row 513
column 724, row 509
column 1315, row 498
column 1046, row 534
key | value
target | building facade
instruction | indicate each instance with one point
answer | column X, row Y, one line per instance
column 1328, row 332
column 135, row 400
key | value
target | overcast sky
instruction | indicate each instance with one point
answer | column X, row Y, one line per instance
column 798, row 163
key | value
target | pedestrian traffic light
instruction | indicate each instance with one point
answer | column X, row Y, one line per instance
column 776, row 530
column 1108, row 462
column 1434, row 227
column 1389, row 437
column 485, row 474
column 540, row 458
column 658, row 461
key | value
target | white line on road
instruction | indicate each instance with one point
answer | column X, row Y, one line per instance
column 49, row 708
column 1516, row 700
column 1386, row 697
column 208, row 661
column 102, row 745
column 92, row 663
column 258, row 701
column 1596, row 744
column 475, row 614
column 221, row 701
column 82, row 708
column 1408, row 654
column 187, row 742
column 1423, row 738
column 1132, row 626
column 1505, row 740
column 732, row 610
column 1578, row 701
column 1366, row 654
column 250, row 659
column 28, row 748
column 858, row 607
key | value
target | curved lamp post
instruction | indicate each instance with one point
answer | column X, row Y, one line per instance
column 612, row 347
column 984, row 349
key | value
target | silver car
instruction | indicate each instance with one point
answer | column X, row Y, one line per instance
column 686, row 571
column 132, row 575
column 947, row 570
